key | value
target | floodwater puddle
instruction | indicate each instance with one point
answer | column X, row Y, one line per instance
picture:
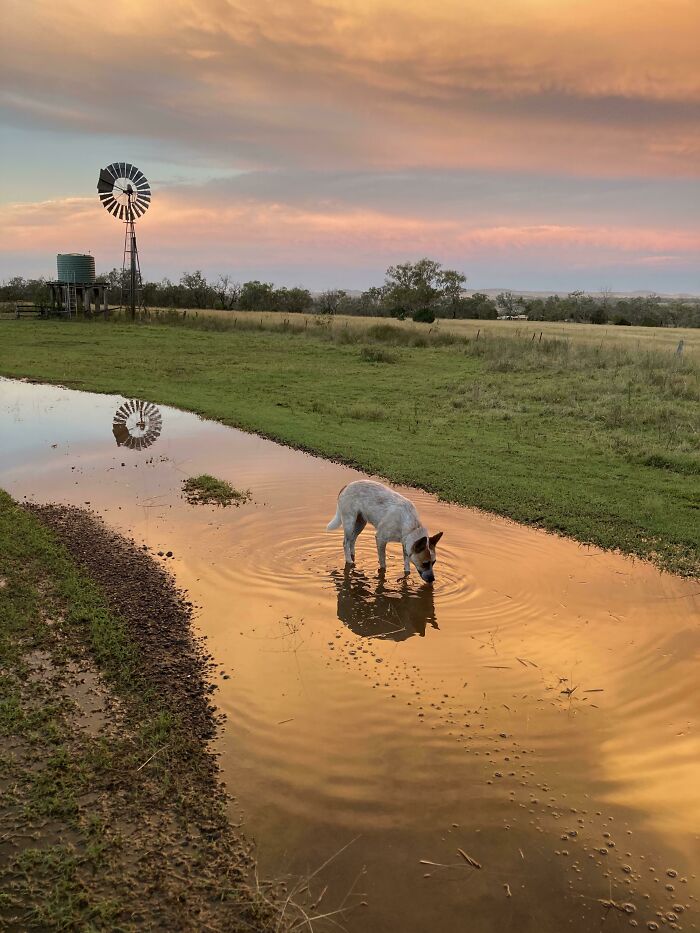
column 536, row 709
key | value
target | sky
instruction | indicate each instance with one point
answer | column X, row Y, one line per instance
column 531, row 144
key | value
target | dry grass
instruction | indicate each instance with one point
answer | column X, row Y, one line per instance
column 631, row 338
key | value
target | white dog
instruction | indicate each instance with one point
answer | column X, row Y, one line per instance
column 394, row 518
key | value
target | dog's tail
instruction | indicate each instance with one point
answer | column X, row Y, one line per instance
column 335, row 522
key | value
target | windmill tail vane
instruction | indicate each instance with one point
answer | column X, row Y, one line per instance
column 125, row 193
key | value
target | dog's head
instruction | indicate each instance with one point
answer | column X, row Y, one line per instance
column 423, row 556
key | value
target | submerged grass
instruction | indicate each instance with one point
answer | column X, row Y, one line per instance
column 596, row 440
column 208, row 490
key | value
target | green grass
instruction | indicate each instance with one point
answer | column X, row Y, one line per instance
column 208, row 490
column 596, row 441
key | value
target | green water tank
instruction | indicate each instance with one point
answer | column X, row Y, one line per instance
column 76, row 267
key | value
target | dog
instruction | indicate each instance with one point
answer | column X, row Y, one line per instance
column 394, row 518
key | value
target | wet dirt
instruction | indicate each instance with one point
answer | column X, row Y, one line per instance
column 536, row 709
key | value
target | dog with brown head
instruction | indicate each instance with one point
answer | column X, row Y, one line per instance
column 423, row 556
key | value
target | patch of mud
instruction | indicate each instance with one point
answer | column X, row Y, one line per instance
column 94, row 707
column 156, row 614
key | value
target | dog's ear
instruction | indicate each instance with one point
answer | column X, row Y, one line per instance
column 434, row 539
column 420, row 545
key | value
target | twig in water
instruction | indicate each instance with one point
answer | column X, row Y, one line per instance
column 467, row 858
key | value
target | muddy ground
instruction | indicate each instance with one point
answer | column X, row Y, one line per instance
column 113, row 815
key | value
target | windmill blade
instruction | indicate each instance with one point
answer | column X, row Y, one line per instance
column 105, row 182
column 122, row 204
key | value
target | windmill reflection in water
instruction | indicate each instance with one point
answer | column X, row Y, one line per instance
column 372, row 608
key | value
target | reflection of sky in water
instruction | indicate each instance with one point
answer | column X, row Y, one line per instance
column 70, row 420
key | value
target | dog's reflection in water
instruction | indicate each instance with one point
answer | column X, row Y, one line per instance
column 371, row 608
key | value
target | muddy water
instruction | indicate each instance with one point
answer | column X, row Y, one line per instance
column 537, row 708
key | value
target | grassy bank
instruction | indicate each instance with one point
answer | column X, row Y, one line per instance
column 597, row 441
column 111, row 814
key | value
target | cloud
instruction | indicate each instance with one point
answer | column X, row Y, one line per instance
column 521, row 84
column 251, row 234
column 523, row 139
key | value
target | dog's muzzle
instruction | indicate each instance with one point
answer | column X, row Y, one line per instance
column 428, row 577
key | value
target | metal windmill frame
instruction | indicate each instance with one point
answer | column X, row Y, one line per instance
column 126, row 194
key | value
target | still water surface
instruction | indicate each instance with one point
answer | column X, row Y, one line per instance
column 537, row 708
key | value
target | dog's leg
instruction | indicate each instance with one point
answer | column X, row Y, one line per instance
column 348, row 547
column 351, row 537
column 381, row 552
column 406, row 562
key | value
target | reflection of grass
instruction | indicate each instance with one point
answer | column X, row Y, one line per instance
column 596, row 440
column 206, row 489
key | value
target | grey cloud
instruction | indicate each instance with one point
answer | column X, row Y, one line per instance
column 464, row 195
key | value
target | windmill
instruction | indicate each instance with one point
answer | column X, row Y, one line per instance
column 126, row 194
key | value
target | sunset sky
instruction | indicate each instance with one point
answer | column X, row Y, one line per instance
column 534, row 144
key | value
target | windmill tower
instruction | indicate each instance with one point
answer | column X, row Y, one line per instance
column 126, row 194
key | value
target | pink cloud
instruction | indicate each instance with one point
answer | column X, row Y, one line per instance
column 219, row 234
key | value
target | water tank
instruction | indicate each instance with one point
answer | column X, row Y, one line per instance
column 76, row 267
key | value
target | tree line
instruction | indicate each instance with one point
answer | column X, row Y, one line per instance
column 422, row 290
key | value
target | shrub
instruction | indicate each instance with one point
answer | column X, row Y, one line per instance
column 376, row 355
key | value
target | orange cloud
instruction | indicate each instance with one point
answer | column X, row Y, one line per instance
column 553, row 85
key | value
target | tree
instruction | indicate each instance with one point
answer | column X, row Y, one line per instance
column 256, row 296
column 451, row 285
column 510, row 304
column 372, row 301
column 330, row 301
column 412, row 286
column 197, row 289
column 227, row 292
column 292, row 300
column 423, row 286
column 478, row 306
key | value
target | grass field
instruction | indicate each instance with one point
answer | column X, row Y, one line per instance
column 594, row 438
column 631, row 338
